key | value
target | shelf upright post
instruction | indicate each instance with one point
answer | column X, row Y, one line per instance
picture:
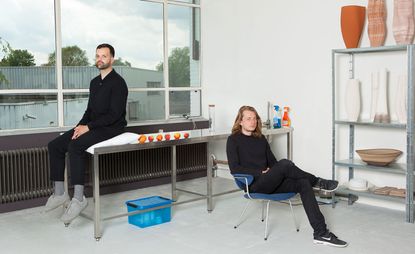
column 410, row 137
column 351, row 126
column 333, row 115
column 333, row 125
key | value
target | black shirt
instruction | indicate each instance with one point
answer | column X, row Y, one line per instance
column 107, row 102
column 248, row 154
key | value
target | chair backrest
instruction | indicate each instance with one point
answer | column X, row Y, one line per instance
column 243, row 180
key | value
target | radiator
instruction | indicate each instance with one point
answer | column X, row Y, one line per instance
column 24, row 173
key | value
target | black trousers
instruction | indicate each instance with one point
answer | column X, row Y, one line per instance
column 285, row 176
column 76, row 150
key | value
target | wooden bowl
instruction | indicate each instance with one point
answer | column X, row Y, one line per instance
column 379, row 157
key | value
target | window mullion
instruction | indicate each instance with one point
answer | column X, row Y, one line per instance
column 166, row 60
column 58, row 61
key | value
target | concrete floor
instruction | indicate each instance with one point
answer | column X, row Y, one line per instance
column 192, row 230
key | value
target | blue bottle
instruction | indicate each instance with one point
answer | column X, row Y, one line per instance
column 276, row 119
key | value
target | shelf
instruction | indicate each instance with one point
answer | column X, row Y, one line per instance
column 393, row 168
column 371, row 49
column 372, row 124
column 405, row 169
column 342, row 190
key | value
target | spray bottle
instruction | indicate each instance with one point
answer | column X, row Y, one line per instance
column 286, row 121
column 276, row 119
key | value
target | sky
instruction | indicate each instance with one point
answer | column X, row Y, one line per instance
column 133, row 27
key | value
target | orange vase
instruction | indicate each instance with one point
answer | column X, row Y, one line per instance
column 352, row 21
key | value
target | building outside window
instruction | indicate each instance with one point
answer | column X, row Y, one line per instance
column 144, row 34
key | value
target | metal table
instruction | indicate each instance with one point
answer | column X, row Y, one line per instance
column 199, row 136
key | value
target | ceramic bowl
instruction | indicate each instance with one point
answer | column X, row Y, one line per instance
column 378, row 157
column 358, row 184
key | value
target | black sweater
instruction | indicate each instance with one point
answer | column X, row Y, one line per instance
column 248, row 154
column 107, row 103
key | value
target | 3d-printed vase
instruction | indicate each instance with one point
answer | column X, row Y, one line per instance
column 375, row 93
column 403, row 21
column 376, row 17
column 352, row 20
column 382, row 113
column 352, row 99
column 401, row 106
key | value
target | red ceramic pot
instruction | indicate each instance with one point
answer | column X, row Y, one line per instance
column 352, row 21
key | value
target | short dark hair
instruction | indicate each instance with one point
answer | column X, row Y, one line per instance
column 106, row 45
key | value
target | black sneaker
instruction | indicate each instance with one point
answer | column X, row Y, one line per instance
column 326, row 185
column 330, row 239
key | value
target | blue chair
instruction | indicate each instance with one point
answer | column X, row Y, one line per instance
column 243, row 181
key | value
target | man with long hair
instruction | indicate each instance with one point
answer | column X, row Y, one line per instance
column 248, row 152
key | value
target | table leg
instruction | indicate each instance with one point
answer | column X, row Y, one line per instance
column 97, row 207
column 173, row 174
column 209, row 179
column 290, row 145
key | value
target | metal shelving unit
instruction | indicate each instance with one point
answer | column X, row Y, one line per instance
column 405, row 169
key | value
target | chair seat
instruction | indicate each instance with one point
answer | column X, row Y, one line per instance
column 273, row 196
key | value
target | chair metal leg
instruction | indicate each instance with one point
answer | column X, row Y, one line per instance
column 242, row 214
column 295, row 221
column 266, row 222
column 263, row 210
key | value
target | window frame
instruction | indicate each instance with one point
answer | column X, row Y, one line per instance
column 60, row 91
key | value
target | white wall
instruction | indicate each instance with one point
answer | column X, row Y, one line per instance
column 256, row 51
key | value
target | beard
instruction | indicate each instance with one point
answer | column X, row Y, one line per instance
column 102, row 66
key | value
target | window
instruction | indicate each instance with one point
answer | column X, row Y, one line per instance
column 25, row 111
column 184, row 44
column 28, row 96
column 29, row 75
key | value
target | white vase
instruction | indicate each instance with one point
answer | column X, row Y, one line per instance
column 375, row 93
column 382, row 114
column 352, row 99
column 401, row 105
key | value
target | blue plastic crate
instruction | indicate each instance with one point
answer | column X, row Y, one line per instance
column 150, row 218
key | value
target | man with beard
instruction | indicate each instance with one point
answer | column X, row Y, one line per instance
column 103, row 119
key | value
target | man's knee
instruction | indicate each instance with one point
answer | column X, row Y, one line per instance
column 51, row 145
column 54, row 145
column 304, row 185
column 75, row 147
column 284, row 163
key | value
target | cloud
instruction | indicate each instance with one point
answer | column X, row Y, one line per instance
column 134, row 28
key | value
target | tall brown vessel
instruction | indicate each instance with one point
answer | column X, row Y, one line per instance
column 352, row 21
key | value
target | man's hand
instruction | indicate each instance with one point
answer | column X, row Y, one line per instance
column 79, row 130
column 265, row 171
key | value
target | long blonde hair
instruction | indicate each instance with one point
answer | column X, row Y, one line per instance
column 237, row 125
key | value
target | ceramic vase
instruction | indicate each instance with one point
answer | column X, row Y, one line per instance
column 376, row 17
column 352, row 99
column 352, row 20
column 403, row 21
column 375, row 93
column 401, row 106
column 382, row 114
